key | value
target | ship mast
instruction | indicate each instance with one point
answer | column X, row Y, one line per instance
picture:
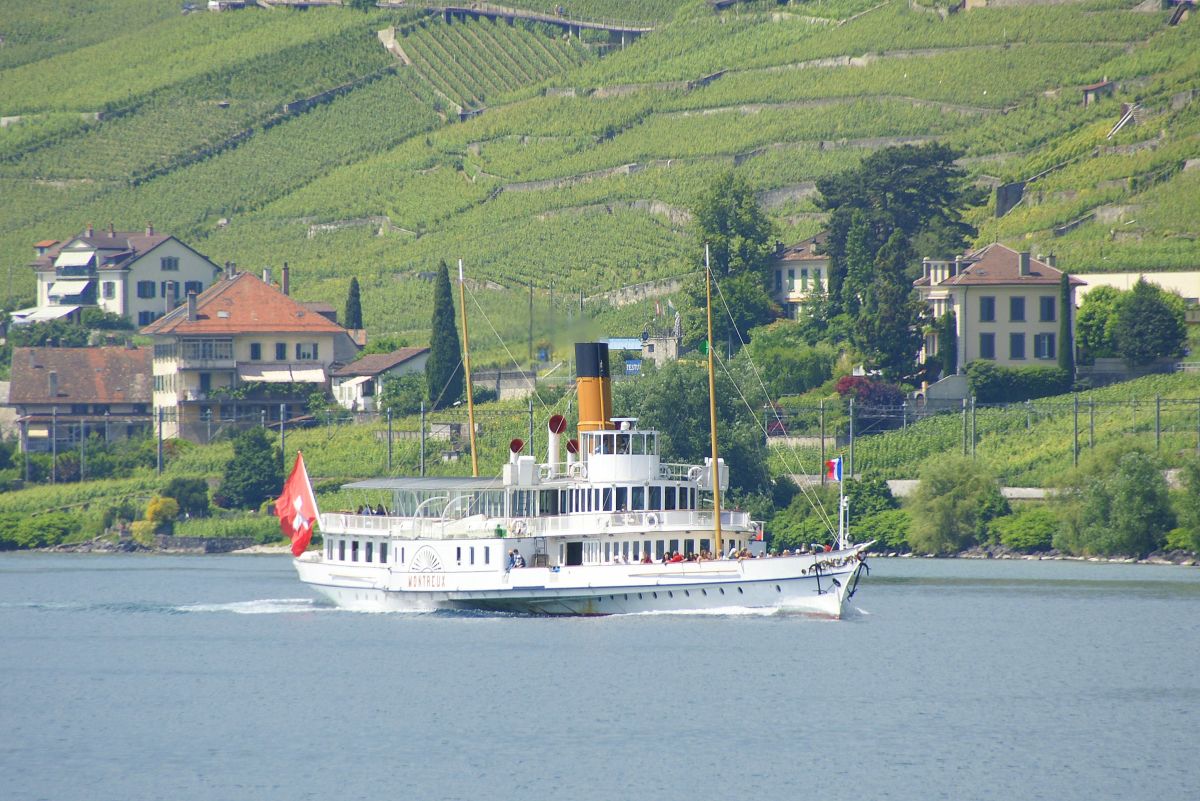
column 712, row 409
column 462, row 297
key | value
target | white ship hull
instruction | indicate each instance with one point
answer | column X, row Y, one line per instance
column 817, row 584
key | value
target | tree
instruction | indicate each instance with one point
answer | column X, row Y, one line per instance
column 362, row 5
column 443, row 370
column 190, row 493
column 1066, row 342
column 254, row 474
column 1121, row 511
column 1187, row 505
column 947, row 328
column 887, row 328
column 954, row 501
column 1094, row 323
column 402, row 395
column 739, row 236
column 1148, row 326
column 917, row 190
column 353, row 305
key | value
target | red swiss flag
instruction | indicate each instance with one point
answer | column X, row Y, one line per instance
column 296, row 508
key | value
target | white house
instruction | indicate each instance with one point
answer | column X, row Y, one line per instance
column 799, row 272
column 357, row 385
column 138, row 275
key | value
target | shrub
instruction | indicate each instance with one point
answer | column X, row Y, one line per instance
column 162, row 513
column 991, row 383
column 868, row 391
column 889, row 529
column 143, row 533
column 1027, row 531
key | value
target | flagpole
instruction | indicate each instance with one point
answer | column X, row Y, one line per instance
column 712, row 410
column 842, row 507
column 462, row 300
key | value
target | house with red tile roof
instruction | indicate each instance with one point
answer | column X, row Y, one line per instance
column 139, row 275
column 242, row 351
column 1006, row 305
column 357, row 385
column 64, row 395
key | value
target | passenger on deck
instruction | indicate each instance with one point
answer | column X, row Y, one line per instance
column 676, row 557
column 518, row 560
column 379, row 510
column 512, row 560
column 646, row 559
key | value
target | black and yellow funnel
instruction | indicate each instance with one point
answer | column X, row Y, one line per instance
column 592, row 383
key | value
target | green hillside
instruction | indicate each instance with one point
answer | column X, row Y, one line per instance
column 580, row 170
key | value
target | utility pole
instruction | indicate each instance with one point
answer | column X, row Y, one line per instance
column 283, row 437
column 531, row 324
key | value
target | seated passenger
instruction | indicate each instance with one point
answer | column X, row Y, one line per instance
column 646, row 560
column 379, row 510
column 676, row 557
column 518, row 560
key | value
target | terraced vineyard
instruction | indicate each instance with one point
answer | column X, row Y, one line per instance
column 582, row 166
column 469, row 62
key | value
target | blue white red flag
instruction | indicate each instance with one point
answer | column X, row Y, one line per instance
column 833, row 469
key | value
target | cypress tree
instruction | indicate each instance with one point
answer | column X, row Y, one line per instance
column 443, row 371
column 1066, row 342
column 353, row 306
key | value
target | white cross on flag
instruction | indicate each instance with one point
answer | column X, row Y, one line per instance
column 296, row 508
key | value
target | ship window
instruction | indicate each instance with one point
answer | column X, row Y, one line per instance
column 608, row 499
column 607, row 554
column 625, row 551
column 689, row 547
column 341, row 550
column 651, row 444
column 354, row 551
column 329, row 549
column 669, row 498
column 638, row 498
column 673, row 546
column 659, row 549
column 622, row 443
column 655, row 498
column 487, row 555
column 705, row 545
column 472, row 554
column 383, row 553
column 458, row 554
column 401, row 556
column 639, row 444
column 636, row 551
column 370, row 552
column 622, row 498
column 646, row 546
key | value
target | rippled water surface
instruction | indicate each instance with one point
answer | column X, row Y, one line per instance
column 127, row 677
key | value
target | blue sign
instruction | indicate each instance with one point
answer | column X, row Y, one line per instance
column 633, row 367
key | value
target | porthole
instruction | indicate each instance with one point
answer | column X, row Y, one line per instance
column 740, row 591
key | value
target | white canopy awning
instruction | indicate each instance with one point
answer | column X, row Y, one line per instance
column 353, row 382
column 40, row 315
column 74, row 258
column 69, row 286
column 281, row 374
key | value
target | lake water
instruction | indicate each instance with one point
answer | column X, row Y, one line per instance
column 181, row 678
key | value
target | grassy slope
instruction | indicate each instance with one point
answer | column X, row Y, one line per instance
column 378, row 185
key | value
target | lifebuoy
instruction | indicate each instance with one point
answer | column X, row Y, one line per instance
column 652, row 520
column 631, row 519
column 694, row 472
